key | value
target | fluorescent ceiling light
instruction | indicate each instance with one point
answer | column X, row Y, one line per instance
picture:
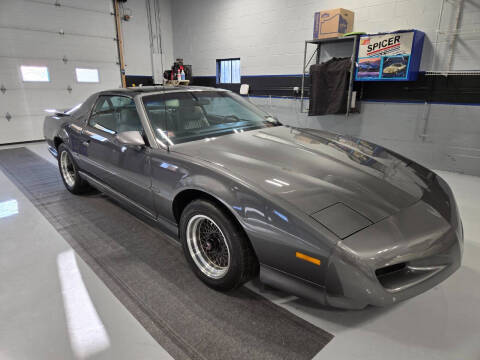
column 281, row 182
column 87, row 75
column 35, row 73
column 273, row 183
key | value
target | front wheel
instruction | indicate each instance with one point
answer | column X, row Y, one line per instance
column 69, row 172
column 215, row 246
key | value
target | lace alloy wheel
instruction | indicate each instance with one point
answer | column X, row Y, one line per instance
column 207, row 246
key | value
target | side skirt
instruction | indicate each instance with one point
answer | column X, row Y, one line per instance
column 169, row 227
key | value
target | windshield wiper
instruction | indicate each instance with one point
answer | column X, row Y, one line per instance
column 269, row 119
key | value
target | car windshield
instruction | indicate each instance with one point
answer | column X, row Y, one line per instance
column 178, row 117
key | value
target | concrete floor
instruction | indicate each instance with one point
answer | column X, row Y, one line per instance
column 53, row 306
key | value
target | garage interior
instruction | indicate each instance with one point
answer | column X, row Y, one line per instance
column 84, row 278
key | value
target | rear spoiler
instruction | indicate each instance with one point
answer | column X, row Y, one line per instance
column 57, row 113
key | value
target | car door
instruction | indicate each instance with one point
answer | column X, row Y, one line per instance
column 97, row 141
column 126, row 169
column 132, row 163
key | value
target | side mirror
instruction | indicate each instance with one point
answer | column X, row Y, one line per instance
column 132, row 138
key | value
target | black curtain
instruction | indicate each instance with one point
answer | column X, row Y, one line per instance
column 329, row 87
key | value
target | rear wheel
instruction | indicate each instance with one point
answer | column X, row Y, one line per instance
column 69, row 172
column 215, row 246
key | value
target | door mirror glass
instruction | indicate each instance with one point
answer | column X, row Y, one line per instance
column 133, row 138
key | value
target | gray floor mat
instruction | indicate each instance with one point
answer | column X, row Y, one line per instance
column 149, row 275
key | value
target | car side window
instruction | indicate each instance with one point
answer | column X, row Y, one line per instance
column 157, row 114
column 115, row 114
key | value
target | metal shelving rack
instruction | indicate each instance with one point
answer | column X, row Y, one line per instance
column 318, row 43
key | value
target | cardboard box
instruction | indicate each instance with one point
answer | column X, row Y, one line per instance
column 332, row 23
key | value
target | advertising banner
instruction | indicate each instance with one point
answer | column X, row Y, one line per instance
column 389, row 57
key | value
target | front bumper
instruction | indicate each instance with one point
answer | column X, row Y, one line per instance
column 398, row 257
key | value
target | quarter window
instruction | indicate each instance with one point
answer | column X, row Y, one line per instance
column 115, row 114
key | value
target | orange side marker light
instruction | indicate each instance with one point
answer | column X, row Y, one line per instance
column 308, row 258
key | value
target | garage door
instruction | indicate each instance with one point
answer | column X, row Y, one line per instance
column 59, row 37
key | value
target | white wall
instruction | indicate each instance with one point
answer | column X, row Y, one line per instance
column 138, row 53
column 269, row 35
column 166, row 30
column 136, row 43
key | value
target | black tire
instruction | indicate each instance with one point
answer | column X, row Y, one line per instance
column 79, row 186
column 243, row 264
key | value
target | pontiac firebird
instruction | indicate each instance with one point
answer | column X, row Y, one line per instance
column 394, row 68
column 332, row 218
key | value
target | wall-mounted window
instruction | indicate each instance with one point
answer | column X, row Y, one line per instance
column 35, row 73
column 87, row 75
column 228, row 71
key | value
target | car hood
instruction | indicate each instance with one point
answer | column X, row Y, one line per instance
column 313, row 169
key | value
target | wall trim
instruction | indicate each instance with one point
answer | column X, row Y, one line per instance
column 421, row 102
column 370, row 101
column 454, row 89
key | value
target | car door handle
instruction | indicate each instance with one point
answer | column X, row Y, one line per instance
column 86, row 142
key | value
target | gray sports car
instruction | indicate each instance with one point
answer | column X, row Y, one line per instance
column 331, row 218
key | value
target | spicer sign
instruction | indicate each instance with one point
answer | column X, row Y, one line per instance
column 384, row 44
column 389, row 56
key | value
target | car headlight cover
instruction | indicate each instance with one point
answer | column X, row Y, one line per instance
column 342, row 220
